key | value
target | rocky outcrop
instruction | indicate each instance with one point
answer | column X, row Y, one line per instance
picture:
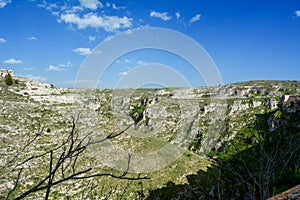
column 4, row 72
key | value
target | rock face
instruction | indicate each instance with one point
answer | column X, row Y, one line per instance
column 29, row 87
column 166, row 110
column 169, row 116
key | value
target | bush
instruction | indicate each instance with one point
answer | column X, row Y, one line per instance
column 8, row 79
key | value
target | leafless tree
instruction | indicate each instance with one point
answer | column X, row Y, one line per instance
column 269, row 158
column 63, row 164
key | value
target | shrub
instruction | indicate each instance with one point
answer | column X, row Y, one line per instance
column 8, row 79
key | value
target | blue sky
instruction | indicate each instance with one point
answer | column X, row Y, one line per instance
column 248, row 40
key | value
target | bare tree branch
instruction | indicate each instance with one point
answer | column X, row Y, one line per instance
column 67, row 162
column 16, row 184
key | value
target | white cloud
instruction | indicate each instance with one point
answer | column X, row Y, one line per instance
column 123, row 73
column 28, row 69
column 83, row 51
column 92, row 38
column 127, row 61
column 55, row 13
column 97, row 52
column 57, row 8
column 164, row 16
column 141, row 62
column 132, row 61
column 108, row 38
column 59, row 67
column 54, row 68
column 108, row 23
column 68, row 64
column 114, row 6
column 2, row 40
column 3, row 3
column 297, row 13
column 12, row 61
column 91, row 4
column 74, row 15
column 177, row 15
column 32, row 38
column 195, row 18
column 75, row 9
column 117, row 7
column 53, row 7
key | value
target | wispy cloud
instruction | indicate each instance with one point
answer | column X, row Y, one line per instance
column 54, row 68
column 32, row 38
column 117, row 7
column 195, row 18
column 133, row 61
column 59, row 67
column 13, row 61
column 3, row 3
column 97, row 52
column 2, row 40
column 114, row 6
column 54, row 8
column 92, row 38
column 108, row 38
column 162, row 15
column 74, row 9
column 82, row 51
column 67, row 64
column 108, row 23
column 28, row 69
column 91, row 4
column 141, row 62
column 297, row 13
column 177, row 14
column 123, row 73
column 127, row 61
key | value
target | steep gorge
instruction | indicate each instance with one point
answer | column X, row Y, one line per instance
column 206, row 118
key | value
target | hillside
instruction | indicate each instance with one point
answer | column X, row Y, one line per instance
column 175, row 142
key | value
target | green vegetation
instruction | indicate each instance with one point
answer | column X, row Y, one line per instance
column 137, row 112
column 8, row 80
column 256, row 164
